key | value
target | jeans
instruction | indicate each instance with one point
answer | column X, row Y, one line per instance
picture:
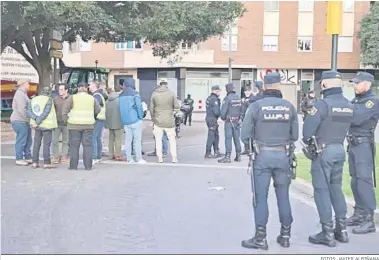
column 61, row 129
column 133, row 135
column 164, row 143
column 97, row 144
column 76, row 138
column 46, row 135
column 23, row 140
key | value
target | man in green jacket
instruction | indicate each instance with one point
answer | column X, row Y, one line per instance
column 163, row 103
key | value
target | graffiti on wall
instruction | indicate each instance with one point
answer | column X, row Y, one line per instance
column 286, row 76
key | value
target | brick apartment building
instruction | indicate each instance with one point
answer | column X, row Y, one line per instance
column 289, row 37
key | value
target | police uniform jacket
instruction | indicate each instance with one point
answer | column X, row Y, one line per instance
column 231, row 109
column 366, row 115
column 329, row 119
column 271, row 121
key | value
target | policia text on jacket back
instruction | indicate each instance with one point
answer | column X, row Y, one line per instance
column 361, row 151
column 271, row 125
column 325, row 128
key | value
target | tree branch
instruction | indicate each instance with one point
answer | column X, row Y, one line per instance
column 18, row 47
column 37, row 39
column 13, row 35
column 45, row 39
column 30, row 45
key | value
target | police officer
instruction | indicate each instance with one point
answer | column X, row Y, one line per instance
column 271, row 125
column 212, row 114
column 361, row 154
column 308, row 103
column 250, row 98
column 328, row 122
column 231, row 113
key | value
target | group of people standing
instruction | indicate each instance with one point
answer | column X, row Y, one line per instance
column 269, row 129
column 81, row 118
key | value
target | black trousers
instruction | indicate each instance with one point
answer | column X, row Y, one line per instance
column 189, row 116
column 47, row 136
column 77, row 137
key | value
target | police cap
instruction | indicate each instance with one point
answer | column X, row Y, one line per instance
column 363, row 76
column 272, row 78
column 229, row 87
column 330, row 74
column 259, row 84
column 216, row 87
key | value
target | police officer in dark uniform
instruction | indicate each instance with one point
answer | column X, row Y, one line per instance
column 249, row 99
column 231, row 113
column 362, row 154
column 271, row 125
column 325, row 128
column 213, row 112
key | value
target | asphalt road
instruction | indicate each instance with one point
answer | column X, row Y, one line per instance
column 148, row 209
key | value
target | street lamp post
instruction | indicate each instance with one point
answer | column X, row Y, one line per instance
column 96, row 62
column 230, row 55
column 334, row 25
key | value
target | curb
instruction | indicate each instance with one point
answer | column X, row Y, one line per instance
column 305, row 188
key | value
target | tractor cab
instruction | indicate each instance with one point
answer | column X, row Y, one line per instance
column 75, row 75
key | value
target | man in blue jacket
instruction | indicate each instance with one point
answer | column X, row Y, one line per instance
column 131, row 116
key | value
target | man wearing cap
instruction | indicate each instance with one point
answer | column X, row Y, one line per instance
column 20, row 124
column 41, row 110
column 271, row 125
column 213, row 111
column 361, row 151
column 163, row 104
column 188, row 114
column 327, row 125
column 80, row 111
column 308, row 103
column 231, row 113
column 249, row 99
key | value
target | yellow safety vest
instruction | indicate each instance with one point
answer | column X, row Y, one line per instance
column 82, row 112
column 101, row 115
column 38, row 105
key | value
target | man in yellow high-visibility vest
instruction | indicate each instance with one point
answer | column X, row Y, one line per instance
column 43, row 118
column 80, row 111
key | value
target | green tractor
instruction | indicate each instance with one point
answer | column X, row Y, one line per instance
column 75, row 75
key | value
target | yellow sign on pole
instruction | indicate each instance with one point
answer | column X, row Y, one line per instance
column 334, row 17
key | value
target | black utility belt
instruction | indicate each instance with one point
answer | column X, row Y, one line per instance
column 280, row 148
column 356, row 140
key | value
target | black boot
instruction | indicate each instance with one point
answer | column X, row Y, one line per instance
column 325, row 237
column 226, row 159
column 367, row 226
column 218, row 154
column 246, row 152
column 284, row 238
column 259, row 241
column 238, row 157
column 357, row 218
column 340, row 232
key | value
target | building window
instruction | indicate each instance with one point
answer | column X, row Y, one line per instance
column 188, row 46
column 80, row 45
column 304, row 44
column 306, row 6
column 348, row 6
column 234, row 36
column 128, row 45
column 270, row 43
column 345, row 44
column 271, row 5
